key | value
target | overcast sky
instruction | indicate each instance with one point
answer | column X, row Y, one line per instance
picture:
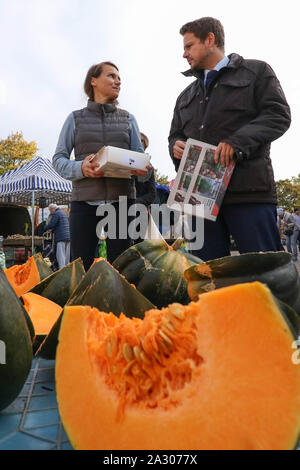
column 47, row 47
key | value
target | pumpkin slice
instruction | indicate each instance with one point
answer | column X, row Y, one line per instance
column 23, row 277
column 43, row 314
column 15, row 344
column 157, row 270
column 43, row 267
column 59, row 285
column 215, row 374
column 276, row 269
column 104, row 288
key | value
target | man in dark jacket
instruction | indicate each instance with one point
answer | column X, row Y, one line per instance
column 59, row 224
column 237, row 105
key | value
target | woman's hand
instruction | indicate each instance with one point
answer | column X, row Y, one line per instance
column 88, row 168
column 141, row 172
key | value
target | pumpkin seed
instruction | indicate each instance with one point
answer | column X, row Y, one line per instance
column 137, row 352
column 127, row 352
column 157, row 357
column 165, row 337
column 127, row 369
column 177, row 311
column 145, row 358
column 113, row 343
column 165, row 349
column 108, row 349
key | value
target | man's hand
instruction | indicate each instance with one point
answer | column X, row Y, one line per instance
column 141, row 172
column 89, row 168
column 178, row 149
column 225, row 153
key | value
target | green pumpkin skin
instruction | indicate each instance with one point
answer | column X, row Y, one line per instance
column 59, row 285
column 15, row 343
column 157, row 271
column 275, row 269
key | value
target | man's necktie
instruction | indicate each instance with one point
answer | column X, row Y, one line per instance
column 210, row 76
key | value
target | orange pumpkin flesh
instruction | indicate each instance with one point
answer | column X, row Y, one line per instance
column 215, row 374
column 42, row 311
column 23, row 277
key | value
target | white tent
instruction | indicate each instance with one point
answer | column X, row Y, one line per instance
column 35, row 183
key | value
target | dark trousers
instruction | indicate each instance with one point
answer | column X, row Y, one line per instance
column 252, row 226
column 84, row 239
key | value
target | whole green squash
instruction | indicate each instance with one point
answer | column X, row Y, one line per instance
column 276, row 269
column 157, row 270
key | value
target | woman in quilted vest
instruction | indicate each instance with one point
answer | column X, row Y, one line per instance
column 100, row 123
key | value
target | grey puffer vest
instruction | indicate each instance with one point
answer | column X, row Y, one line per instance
column 95, row 126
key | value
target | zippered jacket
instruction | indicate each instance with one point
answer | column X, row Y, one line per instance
column 245, row 107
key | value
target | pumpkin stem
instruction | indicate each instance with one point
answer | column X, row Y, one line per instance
column 177, row 244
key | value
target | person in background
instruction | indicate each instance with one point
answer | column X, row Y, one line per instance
column 145, row 185
column 297, row 220
column 291, row 233
column 59, row 225
column 86, row 131
column 237, row 105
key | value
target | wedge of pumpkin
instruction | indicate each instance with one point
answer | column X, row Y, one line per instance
column 102, row 287
column 15, row 344
column 43, row 314
column 157, row 270
column 60, row 285
column 25, row 276
column 215, row 374
column 276, row 269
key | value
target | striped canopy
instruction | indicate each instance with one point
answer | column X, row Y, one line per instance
column 38, row 176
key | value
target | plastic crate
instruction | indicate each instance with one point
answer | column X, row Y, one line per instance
column 32, row 421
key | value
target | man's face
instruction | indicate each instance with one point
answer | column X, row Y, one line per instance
column 195, row 51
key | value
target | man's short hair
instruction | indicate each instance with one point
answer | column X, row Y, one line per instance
column 202, row 27
column 52, row 206
column 296, row 209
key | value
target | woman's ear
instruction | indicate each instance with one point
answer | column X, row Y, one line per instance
column 93, row 81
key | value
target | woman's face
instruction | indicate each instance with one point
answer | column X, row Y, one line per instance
column 107, row 85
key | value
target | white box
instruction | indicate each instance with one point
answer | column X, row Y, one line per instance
column 118, row 163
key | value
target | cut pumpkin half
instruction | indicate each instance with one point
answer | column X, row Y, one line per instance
column 215, row 374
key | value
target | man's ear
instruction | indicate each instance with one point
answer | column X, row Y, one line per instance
column 210, row 40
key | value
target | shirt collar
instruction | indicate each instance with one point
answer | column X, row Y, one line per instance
column 232, row 60
column 222, row 63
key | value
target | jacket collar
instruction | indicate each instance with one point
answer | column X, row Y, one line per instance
column 234, row 62
column 101, row 107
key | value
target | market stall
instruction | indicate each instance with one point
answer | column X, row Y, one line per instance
column 34, row 184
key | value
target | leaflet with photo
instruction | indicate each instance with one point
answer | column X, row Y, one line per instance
column 199, row 181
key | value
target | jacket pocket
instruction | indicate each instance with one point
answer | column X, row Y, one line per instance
column 234, row 94
column 252, row 176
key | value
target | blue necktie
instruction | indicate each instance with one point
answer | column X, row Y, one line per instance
column 210, row 76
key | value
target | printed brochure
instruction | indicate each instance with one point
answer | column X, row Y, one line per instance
column 199, row 181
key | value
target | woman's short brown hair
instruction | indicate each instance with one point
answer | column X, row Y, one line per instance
column 94, row 71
